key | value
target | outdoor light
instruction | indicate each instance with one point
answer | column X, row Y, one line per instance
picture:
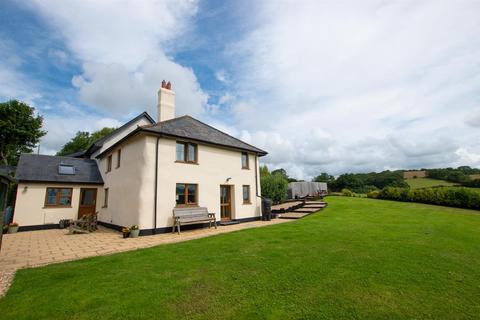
column 25, row 189
column 228, row 179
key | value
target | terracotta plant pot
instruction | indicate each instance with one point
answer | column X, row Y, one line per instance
column 12, row 229
column 126, row 235
column 134, row 233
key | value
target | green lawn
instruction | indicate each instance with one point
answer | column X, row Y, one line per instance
column 427, row 182
column 357, row 259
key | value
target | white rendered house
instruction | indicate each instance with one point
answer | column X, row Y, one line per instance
column 140, row 172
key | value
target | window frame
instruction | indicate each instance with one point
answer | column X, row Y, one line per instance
column 186, row 203
column 106, row 192
column 119, row 158
column 109, row 163
column 186, row 152
column 247, row 167
column 249, row 199
column 58, row 197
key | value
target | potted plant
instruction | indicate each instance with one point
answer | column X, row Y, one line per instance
column 134, row 231
column 125, row 232
column 13, row 227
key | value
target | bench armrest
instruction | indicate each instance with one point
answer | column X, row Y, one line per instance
column 211, row 214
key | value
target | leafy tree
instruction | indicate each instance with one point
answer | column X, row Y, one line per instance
column 83, row 140
column 324, row 177
column 274, row 185
column 20, row 130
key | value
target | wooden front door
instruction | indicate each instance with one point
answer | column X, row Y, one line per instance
column 88, row 200
column 225, row 203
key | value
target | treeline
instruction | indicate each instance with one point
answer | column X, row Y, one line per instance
column 459, row 175
column 363, row 182
column 443, row 196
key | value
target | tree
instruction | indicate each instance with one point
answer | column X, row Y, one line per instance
column 274, row 185
column 83, row 140
column 324, row 177
column 20, row 130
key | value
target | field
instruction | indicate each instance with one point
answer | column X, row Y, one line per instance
column 427, row 182
column 357, row 259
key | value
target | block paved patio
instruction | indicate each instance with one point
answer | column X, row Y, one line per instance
column 38, row 248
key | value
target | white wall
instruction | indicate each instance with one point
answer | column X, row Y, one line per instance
column 214, row 166
column 126, row 203
column 30, row 209
column 132, row 186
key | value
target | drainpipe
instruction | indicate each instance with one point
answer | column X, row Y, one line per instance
column 156, row 187
column 256, row 183
column 256, row 176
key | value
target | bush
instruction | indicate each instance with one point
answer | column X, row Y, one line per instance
column 444, row 196
column 274, row 186
column 347, row 193
column 373, row 194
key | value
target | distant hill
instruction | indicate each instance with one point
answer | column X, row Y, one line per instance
column 427, row 182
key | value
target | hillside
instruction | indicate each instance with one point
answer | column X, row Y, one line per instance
column 427, row 182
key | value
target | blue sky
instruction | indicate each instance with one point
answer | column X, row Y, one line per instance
column 323, row 86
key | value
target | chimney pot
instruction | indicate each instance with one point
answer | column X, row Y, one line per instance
column 169, row 86
column 164, row 84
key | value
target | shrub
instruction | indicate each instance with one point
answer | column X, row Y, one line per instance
column 444, row 196
column 274, row 186
column 373, row 194
column 347, row 193
column 134, row 227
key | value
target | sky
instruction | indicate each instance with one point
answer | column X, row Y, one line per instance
column 323, row 86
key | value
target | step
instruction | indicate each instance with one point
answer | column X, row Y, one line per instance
column 229, row 223
column 293, row 215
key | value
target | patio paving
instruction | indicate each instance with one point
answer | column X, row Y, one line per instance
column 38, row 248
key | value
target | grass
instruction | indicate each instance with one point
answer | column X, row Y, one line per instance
column 427, row 182
column 357, row 259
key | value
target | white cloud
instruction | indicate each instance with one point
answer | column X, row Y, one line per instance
column 61, row 129
column 222, row 76
column 123, row 49
column 389, row 85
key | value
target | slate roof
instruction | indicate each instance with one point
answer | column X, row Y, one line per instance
column 190, row 128
column 99, row 143
column 43, row 168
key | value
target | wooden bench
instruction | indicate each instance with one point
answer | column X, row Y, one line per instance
column 192, row 215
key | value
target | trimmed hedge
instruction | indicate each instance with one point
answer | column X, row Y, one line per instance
column 443, row 196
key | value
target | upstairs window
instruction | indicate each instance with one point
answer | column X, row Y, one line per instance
column 66, row 169
column 119, row 157
column 245, row 160
column 186, row 152
column 109, row 163
column 186, row 194
column 58, row 197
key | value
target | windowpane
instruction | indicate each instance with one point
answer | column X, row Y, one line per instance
column 244, row 160
column 180, row 152
column 192, row 152
column 66, row 169
column 105, row 198
column 192, row 193
column 119, row 157
column 51, row 196
column 66, row 197
column 180, row 193
column 246, row 193
column 109, row 163
column 88, row 197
